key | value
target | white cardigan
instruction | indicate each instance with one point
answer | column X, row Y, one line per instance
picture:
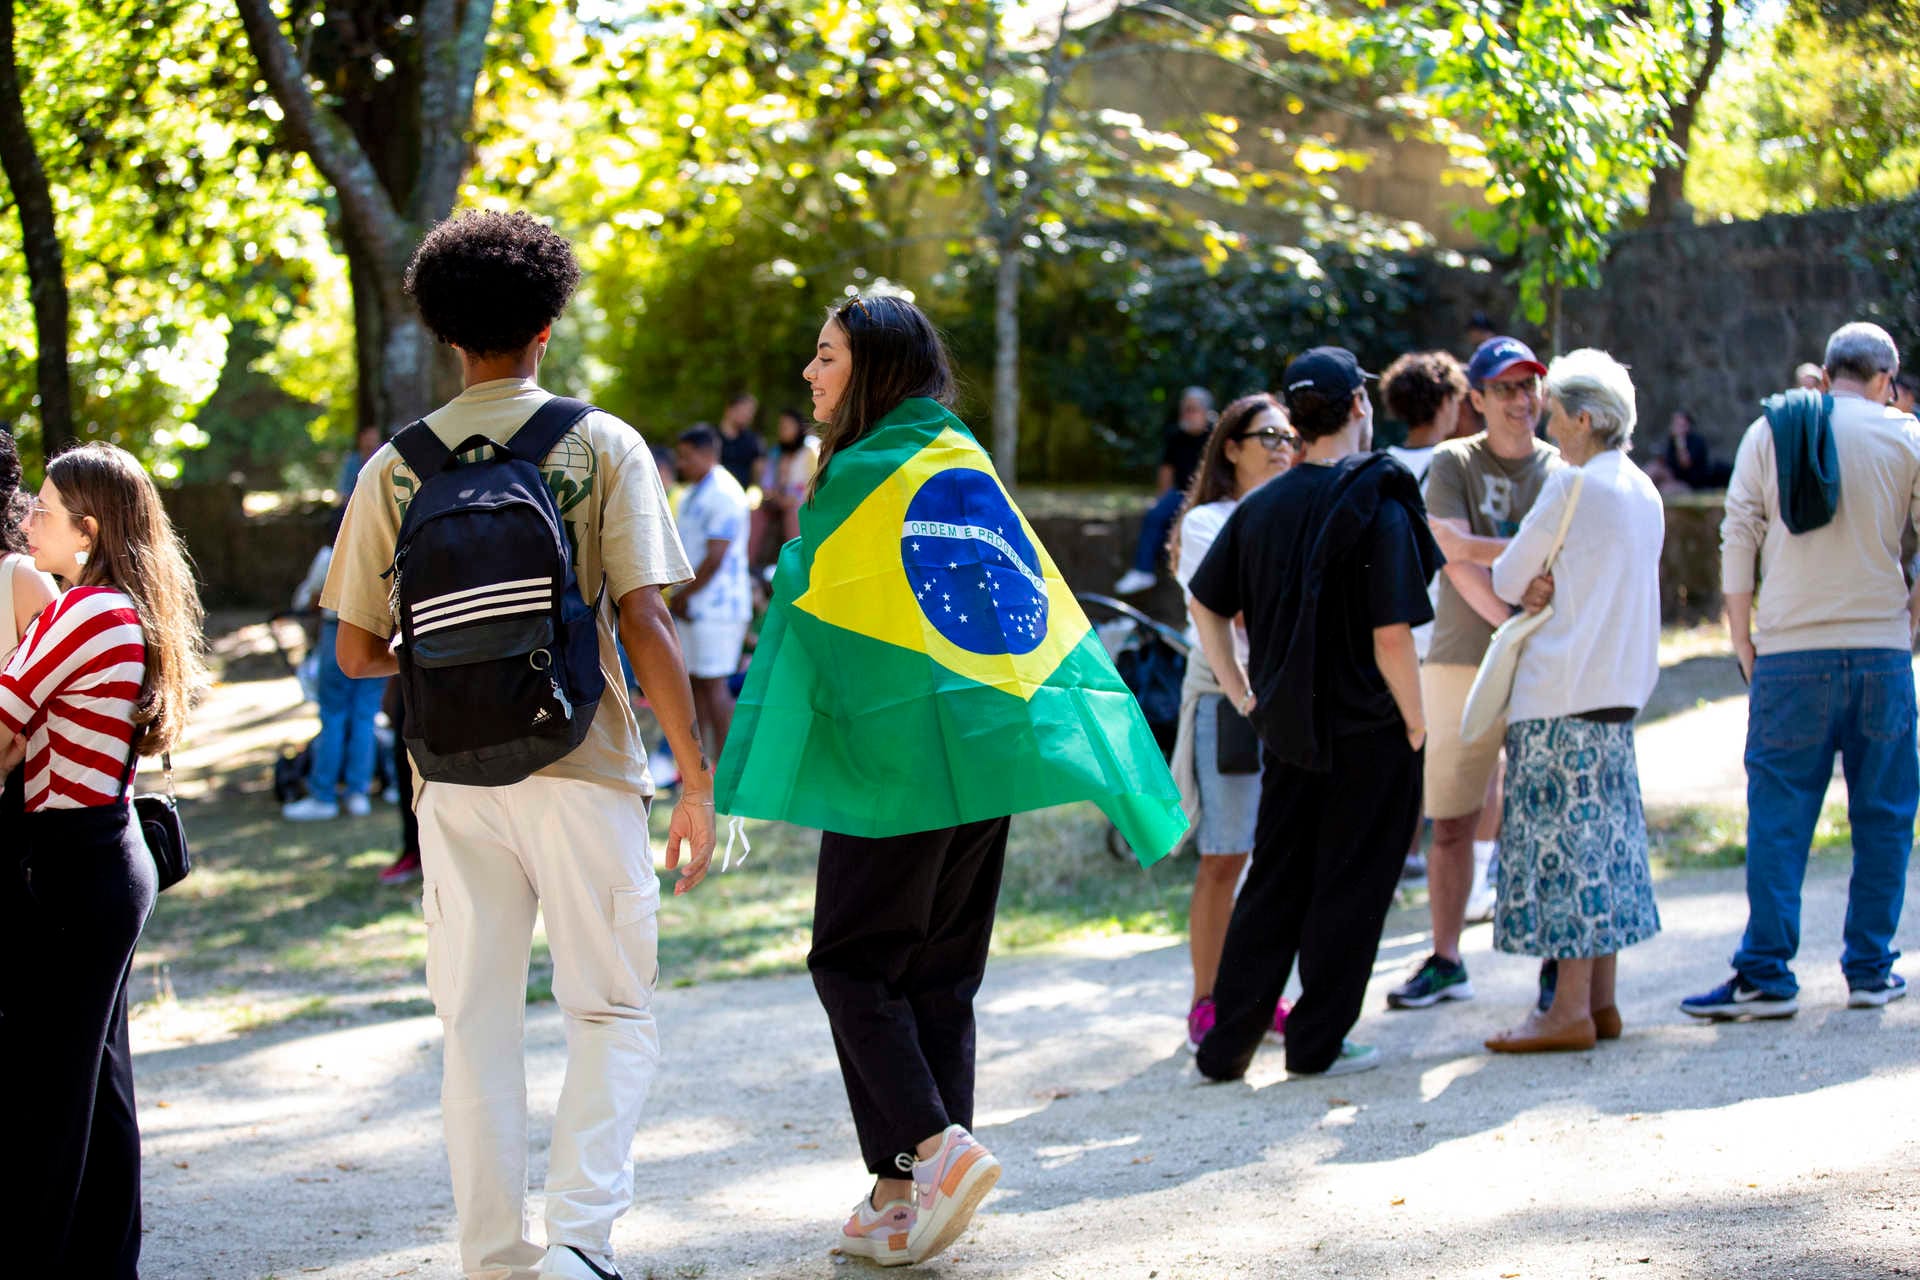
column 1601, row 648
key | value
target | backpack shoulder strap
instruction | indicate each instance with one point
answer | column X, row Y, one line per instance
column 421, row 450
column 537, row 435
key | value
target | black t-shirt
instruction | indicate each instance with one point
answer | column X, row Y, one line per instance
column 1182, row 452
column 738, row 454
column 1377, row 583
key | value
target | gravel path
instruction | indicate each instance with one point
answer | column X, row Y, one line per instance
column 1785, row 1149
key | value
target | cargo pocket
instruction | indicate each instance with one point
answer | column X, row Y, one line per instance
column 439, row 956
column 636, row 938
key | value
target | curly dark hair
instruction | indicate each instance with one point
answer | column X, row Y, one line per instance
column 488, row 283
column 1418, row 383
column 13, row 503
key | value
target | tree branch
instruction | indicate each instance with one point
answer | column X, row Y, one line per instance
column 1057, row 73
column 453, row 34
column 996, row 212
column 364, row 201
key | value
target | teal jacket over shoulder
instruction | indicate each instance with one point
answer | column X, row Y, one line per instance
column 1802, row 424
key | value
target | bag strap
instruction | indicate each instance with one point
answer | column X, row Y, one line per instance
column 126, row 771
column 421, row 450
column 1566, row 519
column 550, row 422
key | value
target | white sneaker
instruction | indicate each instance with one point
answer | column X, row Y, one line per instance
column 391, row 795
column 576, row 1264
column 1133, row 580
column 310, row 809
column 359, row 806
column 1483, row 897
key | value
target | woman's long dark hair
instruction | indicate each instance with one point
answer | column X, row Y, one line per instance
column 1213, row 478
column 13, row 503
column 895, row 355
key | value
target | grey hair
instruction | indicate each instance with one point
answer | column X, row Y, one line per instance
column 1593, row 382
column 1861, row 351
column 1204, row 396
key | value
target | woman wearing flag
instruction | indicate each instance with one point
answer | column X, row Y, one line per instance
column 922, row 675
column 1216, row 756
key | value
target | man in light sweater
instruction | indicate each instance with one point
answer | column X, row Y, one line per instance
column 1831, row 670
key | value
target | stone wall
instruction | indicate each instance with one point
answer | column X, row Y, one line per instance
column 1710, row 318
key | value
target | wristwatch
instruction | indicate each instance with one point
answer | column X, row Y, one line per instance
column 1246, row 703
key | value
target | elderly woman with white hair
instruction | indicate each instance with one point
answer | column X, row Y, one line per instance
column 1574, row 884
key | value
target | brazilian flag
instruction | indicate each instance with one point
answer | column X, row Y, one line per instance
column 924, row 665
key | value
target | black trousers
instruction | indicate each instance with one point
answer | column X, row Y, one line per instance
column 1327, row 854
column 70, row 914
column 391, row 703
column 900, row 932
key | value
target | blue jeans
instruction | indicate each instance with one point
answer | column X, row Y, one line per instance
column 343, row 753
column 1804, row 707
column 1155, row 532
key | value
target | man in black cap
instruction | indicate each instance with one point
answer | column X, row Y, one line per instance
column 1478, row 490
column 1329, row 563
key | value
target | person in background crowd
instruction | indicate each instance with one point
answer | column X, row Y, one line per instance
column 108, row 672
column 783, row 486
column 342, row 758
column 1811, row 376
column 713, row 610
column 24, row 592
column 1180, row 454
column 1330, row 564
column 568, row 843
column 1905, row 387
column 1686, row 464
column 1574, row 882
column 366, row 443
column 1426, row 390
column 1830, row 664
column 1480, row 328
column 1478, row 491
column 1251, row 444
column 740, row 444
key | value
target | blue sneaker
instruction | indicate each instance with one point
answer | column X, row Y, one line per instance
column 1738, row 998
column 1872, row 995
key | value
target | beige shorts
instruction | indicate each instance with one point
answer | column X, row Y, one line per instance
column 1456, row 771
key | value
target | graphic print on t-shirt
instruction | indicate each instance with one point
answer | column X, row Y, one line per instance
column 971, row 566
column 1497, row 505
column 570, row 469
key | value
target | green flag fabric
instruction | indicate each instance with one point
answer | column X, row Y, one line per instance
column 924, row 665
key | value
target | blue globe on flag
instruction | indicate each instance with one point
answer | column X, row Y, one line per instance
column 973, row 570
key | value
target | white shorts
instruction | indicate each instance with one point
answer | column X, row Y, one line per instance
column 711, row 647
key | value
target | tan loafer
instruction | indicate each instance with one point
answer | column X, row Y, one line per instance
column 1606, row 1023
column 1574, row 1039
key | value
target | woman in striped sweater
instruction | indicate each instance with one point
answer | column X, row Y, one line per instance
column 107, row 672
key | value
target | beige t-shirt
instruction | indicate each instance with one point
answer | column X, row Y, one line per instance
column 1468, row 481
column 608, row 490
column 1839, row 586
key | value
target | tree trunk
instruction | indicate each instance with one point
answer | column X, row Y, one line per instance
column 1006, row 364
column 1556, row 297
column 40, row 235
column 1670, row 181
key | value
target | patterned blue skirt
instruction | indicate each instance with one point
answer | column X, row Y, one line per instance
column 1574, row 883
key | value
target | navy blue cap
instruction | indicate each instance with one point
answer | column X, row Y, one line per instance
column 1497, row 355
column 1323, row 372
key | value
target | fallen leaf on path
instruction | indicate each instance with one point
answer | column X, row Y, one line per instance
column 179, row 1164
column 1142, row 1160
column 1398, row 1200
column 163, row 1104
column 1338, row 1102
column 346, row 1166
column 806, row 1146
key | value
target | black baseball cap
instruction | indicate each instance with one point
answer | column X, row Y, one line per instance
column 1323, row 373
column 1497, row 355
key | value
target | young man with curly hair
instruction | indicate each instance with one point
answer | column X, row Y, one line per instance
column 570, row 841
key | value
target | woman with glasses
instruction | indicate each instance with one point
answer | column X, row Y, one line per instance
column 1216, row 758
column 106, row 673
column 24, row 592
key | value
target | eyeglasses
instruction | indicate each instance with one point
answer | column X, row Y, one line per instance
column 1272, row 441
column 37, row 510
column 1529, row 387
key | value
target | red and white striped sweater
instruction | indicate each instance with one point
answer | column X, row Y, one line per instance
column 71, row 689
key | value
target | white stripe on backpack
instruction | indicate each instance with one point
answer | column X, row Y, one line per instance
column 506, row 597
column 451, row 596
column 461, row 619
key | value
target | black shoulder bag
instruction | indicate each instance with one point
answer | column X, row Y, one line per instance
column 158, row 818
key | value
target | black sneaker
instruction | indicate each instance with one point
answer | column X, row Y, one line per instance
column 1738, row 998
column 1435, row 980
column 1872, row 995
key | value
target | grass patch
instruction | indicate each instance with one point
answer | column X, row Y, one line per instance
column 1692, row 839
column 279, row 918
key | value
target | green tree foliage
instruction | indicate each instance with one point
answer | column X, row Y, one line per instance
column 1819, row 110
column 1561, row 105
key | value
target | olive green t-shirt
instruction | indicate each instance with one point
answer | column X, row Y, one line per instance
column 1468, row 481
column 603, row 479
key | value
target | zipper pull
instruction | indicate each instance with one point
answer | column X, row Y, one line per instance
column 560, row 697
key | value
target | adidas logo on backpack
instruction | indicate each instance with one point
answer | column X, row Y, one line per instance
column 499, row 657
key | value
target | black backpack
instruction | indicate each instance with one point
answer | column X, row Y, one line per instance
column 499, row 656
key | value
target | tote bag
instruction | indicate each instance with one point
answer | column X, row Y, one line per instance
column 1493, row 682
